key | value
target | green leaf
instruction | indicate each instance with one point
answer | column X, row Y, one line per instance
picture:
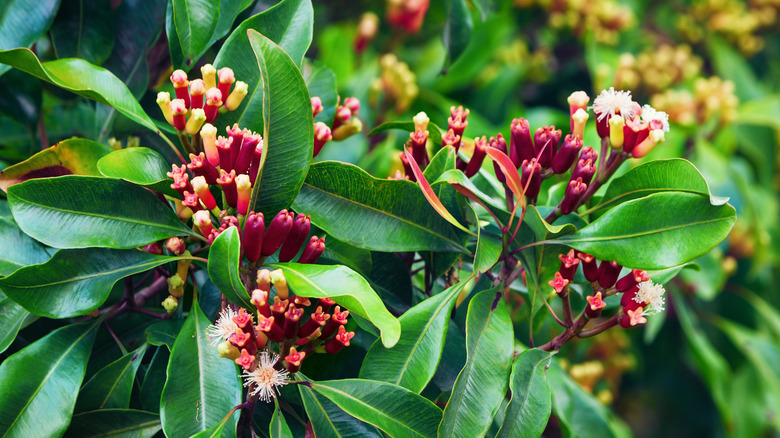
column 322, row 84
column 224, row 261
column 376, row 214
column 527, row 412
column 38, row 384
column 457, row 29
column 412, row 362
column 341, row 253
column 435, row 132
column 761, row 350
column 164, row 332
column 83, row 29
column 195, row 21
column 482, row 383
column 22, row 22
column 330, row 421
column 279, row 427
column 110, row 387
column 201, row 387
column 22, row 98
column 289, row 130
column 82, row 78
column 579, row 413
column 83, row 211
column 126, row 423
column 216, row 430
column 75, row 282
column 141, row 166
column 393, row 409
column 487, row 253
column 674, row 175
column 19, row 251
column 731, row 65
column 73, row 156
column 289, row 24
column 154, row 380
column 345, row 287
column 655, row 232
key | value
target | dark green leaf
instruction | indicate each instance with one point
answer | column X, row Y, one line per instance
column 201, row 387
column 393, row 409
column 279, row 427
column 322, row 84
column 195, row 21
column 75, row 282
column 457, row 29
column 23, row 21
column 413, row 360
column 674, row 175
column 12, row 316
column 164, row 332
column 83, row 29
column 289, row 131
column 141, row 166
column 330, row 421
column 345, row 287
column 22, row 97
column 110, row 387
column 19, row 249
column 73, row 156
column 376, row 214
column 154, row 380
column 81, row 211
column 487, row 253
column 124, row 423
column 38, row 384
column 224, row 260
column 82, row 78
column 655, row 232
column 482, row 383
column 357, row 259
column 528, row 410
column 289, row 24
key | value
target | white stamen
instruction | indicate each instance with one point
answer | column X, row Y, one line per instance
column 265, row 378
column 224, row 327
column 653, row 295
column 649, row 113
column 610, row 102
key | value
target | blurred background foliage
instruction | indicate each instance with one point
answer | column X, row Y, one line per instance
column 711, row 365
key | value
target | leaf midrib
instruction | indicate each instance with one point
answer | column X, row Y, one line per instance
column 525, row 399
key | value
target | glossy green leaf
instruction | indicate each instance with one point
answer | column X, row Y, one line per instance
column 110, row 387
column 674, row 175
column 38, row 384
column 77, row 281
column 201, row 387
column 228, row 12
column 527, row 412
column 81, row 211
column 412, row 362
column 347, row 288
column 322, row 84
column 289, row 24
column 580, row 414
column 82, row 78
column 487, row 253
column 164, row 332
column 279, row 427
column 83, row 29
column 288, row 128
column 330, row 421
column 656, row 232
column 73, row 156
column 482, row 383
column 195, row 22
column 22, row 97
column 120, row 423
column 19, row 251
column 457, row 29
column 376, row 214
column 141, row 166
column 355, row 258
column 216, row 430
column 393, row 409
column 434, row 131
column 154, row 380
column 224, row 261
column 22, row 22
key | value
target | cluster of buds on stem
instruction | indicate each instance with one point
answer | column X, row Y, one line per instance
column 629, row 128
column 640, row 296
column 281, row 326
column 396, row 86
column 201, row 100
column 344, row 125
column 287, row 233
column 174, row 246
